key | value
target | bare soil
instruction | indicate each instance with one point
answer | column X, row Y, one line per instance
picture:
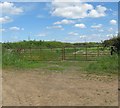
column 38, row 88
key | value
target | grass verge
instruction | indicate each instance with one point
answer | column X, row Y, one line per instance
column 104, row 65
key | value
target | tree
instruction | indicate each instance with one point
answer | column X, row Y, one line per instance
column 115, row 41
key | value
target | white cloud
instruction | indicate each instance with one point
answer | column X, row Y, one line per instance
column 97, row 26
column 80, row 25
column 2, row 30
column 113, row 22
column 98, row 12
column 55, row 27
column 110, row 29
column 76, row 10
column 5, row 19
column 68, row 1
column 115, row 13
column 73, row 33
column 83, row 36
column 65, row 21
column 116, row 32
column 10, row 8
column 15, row 28
column 109, row 35
column 41, row 34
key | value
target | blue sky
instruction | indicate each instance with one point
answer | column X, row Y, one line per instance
column 66, row 22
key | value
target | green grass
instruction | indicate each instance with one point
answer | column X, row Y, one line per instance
column 104, row 65
column 13, row 60
column 43, row 54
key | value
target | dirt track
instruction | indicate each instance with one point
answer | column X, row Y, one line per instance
column 35, row 88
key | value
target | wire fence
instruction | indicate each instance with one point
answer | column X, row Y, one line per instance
column 65, row 53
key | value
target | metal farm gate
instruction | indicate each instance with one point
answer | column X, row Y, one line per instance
column 83, row 53
column 80, row 53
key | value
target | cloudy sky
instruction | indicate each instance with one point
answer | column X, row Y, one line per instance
column 66, row 22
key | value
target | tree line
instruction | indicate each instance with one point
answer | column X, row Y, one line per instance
column 43, row 44
column 115, row 41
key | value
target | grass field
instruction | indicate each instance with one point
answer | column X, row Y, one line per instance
column 98, row 61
